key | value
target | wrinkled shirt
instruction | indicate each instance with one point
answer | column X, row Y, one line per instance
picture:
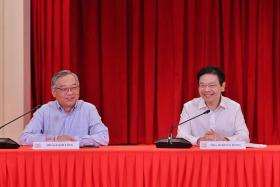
column 83, row 123
column 227, row 119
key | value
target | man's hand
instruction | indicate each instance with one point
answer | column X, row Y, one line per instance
column 63, row 138
column 205, row 138
column 212, row 136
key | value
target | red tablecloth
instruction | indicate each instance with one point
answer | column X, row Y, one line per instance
column 141, row 165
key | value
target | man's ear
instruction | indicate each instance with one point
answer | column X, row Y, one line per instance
column 223, row 86
column 53, row 92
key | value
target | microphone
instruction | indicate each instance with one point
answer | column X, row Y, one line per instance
column 7, row 143
column 176, row 142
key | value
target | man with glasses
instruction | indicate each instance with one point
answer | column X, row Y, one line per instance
column 225, row 122
column 67, row 118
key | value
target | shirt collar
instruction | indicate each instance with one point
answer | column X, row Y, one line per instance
column 60, row 108
column 202, row 105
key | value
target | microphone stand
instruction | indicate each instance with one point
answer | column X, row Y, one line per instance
column 7, row 143
column 176, row 142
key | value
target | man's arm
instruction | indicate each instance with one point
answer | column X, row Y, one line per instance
column 184, row 131
column 241, row 130
column 99, row 136
column 33, row 130
column 98, row 132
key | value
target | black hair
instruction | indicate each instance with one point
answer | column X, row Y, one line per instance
column 212, row 70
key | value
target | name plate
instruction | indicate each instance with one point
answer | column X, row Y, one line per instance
column 56, row 145
column 222, row 145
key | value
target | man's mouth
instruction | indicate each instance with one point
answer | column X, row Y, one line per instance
column 208, row 95
column 70, row 98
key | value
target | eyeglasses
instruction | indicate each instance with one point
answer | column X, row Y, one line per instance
column 66, row 90
column 210, row 86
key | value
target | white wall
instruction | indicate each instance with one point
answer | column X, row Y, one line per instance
column 14, row 65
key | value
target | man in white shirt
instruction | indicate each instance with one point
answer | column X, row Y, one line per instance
column 225, row 122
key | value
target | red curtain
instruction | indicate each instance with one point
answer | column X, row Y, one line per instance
column 137, row 59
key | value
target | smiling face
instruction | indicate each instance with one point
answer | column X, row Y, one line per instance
column 66, row 91
column 210, row 89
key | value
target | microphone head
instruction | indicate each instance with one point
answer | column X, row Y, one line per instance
column 37, row 107
column 206, row 112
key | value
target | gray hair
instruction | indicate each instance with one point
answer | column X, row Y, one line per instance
column 62, row 74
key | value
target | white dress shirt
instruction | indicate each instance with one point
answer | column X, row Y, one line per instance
column 227, row 119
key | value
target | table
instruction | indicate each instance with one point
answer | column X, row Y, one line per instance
column 140, row 165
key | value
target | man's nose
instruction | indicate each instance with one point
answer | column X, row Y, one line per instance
column 207, row 88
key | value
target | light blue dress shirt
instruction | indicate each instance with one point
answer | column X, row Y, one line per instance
column 82, row 122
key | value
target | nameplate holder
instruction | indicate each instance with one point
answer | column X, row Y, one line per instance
column 222, row 145
column 56, row 145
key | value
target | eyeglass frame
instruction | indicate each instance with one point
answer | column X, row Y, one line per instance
column 66, row 90
column 210, row 86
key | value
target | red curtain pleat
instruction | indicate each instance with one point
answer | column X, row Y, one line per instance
column 137, row 59
column 140, row 166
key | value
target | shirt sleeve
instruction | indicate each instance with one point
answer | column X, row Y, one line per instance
column 98, row 132
column 184, row 131
column 241, row 130
column 33, row 130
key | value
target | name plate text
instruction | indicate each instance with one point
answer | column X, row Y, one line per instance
column 56, row 145
column 222, row 145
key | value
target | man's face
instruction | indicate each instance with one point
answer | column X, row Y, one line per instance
column 210, row 89
column 66, row 91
